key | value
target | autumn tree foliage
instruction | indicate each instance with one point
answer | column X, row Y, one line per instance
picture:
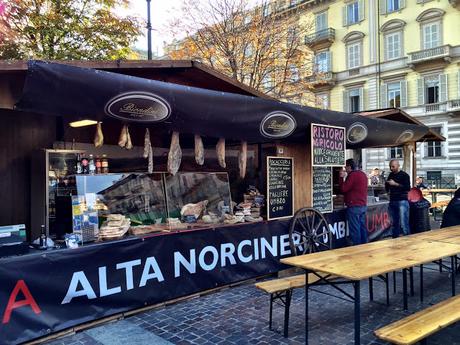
column 66, row 29
column 261, row 46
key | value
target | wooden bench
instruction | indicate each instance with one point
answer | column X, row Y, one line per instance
column 280, row 290
column 436, row 205
column 418, row 326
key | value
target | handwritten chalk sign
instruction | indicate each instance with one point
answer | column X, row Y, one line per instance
column 322, row 189
column 327, row 145
column 280, row 192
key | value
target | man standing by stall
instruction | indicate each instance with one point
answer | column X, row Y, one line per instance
column 398, row 185
column 354, row 187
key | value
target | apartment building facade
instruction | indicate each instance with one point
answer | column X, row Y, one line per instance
column 374, row 54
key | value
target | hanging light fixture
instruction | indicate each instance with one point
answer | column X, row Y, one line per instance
column 82, row 123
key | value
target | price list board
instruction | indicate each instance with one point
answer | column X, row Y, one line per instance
column 327, row 145
column 280, row 192
column 322, row 189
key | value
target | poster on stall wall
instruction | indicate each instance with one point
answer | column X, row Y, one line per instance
column 327, row 145
column 280, row 191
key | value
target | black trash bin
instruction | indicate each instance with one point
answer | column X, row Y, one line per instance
column 419, row 217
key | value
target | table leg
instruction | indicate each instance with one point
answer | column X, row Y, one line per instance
column 387, row 286
column 411, row 276
column 453, row 271
column 371, row 289
column 356, row 286
column 404, row 272
column 421, row 283
column 394, row 281
column 306, row 306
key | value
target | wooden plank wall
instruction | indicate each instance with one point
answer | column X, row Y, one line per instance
column 302, row 172
column 20, row 135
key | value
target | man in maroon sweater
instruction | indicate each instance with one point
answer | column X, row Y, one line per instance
column 354, row 187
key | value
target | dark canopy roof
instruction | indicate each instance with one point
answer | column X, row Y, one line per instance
column 396, row 114
column 62, row 90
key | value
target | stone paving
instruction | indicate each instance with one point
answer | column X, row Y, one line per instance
column 239, row 315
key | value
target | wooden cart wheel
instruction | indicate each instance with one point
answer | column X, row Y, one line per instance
column 309, row 232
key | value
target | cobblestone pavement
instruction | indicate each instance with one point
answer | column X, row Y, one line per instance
column 239, row 315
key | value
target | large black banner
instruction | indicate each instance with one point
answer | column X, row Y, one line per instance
column 62, row 90
column 47, row 292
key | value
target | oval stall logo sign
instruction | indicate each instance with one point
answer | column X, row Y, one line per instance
column 278, row 125
column 138, row 106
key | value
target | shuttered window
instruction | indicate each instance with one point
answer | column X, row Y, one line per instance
column 354, row 55
column 431, row 35
column 393, row 45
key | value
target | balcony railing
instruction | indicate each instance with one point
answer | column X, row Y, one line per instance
column 321, row 78
column 430, row 54
column 319, row 36
column 454, row 105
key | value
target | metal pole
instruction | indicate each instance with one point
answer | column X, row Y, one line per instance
column 149, row 32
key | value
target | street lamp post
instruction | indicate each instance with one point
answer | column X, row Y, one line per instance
column 149, row 32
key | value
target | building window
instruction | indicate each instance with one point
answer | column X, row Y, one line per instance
column 434, row 148
column 321, row 21
column 354, row 55
column 394, row 95
column 291, row 36
column 323, row 62
column 294, row 72
column 431, row 91
column 396, row 152
column 354, row 97
column 322, row 101
column 352, row 13
column 393, row 5
column 431, row 35
column 393, row 45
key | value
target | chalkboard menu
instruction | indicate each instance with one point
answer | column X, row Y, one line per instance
column 322, row 189
column 327, row 145
column 280, row 193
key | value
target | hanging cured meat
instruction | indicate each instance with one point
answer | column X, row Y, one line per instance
column 175, row 154
column 220, row 148
column 243, row 158
column 199, row 150
column 148, row 150
column 150, row 168
column 147, row 143
column 123, row 139
column 99, row 137
column 129, row 143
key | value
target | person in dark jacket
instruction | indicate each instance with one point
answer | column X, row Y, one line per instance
column 398, row 185
column 355, row 190
column 451, row 215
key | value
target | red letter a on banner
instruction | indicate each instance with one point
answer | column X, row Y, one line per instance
column 13, row 304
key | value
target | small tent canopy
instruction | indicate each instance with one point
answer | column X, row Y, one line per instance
column 396, row 114
column 75, row 93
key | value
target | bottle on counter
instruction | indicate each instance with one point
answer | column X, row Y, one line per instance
column 98, row 165
column 42, row 241
column 92, row 165
column 104, row 164
column 84, row 165
column 78, row 166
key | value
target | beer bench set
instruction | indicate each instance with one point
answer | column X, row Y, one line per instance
column 351, row 265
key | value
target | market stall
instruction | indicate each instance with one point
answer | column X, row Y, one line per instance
column 204, row 198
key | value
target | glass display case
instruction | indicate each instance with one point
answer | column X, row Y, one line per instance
column 106, row 206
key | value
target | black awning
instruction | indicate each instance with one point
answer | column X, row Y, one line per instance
column 74, row 92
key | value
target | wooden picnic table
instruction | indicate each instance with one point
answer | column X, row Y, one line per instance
column 356, row 263
column 435, row 191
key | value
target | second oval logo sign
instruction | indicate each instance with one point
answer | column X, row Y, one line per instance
column 138, row 107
